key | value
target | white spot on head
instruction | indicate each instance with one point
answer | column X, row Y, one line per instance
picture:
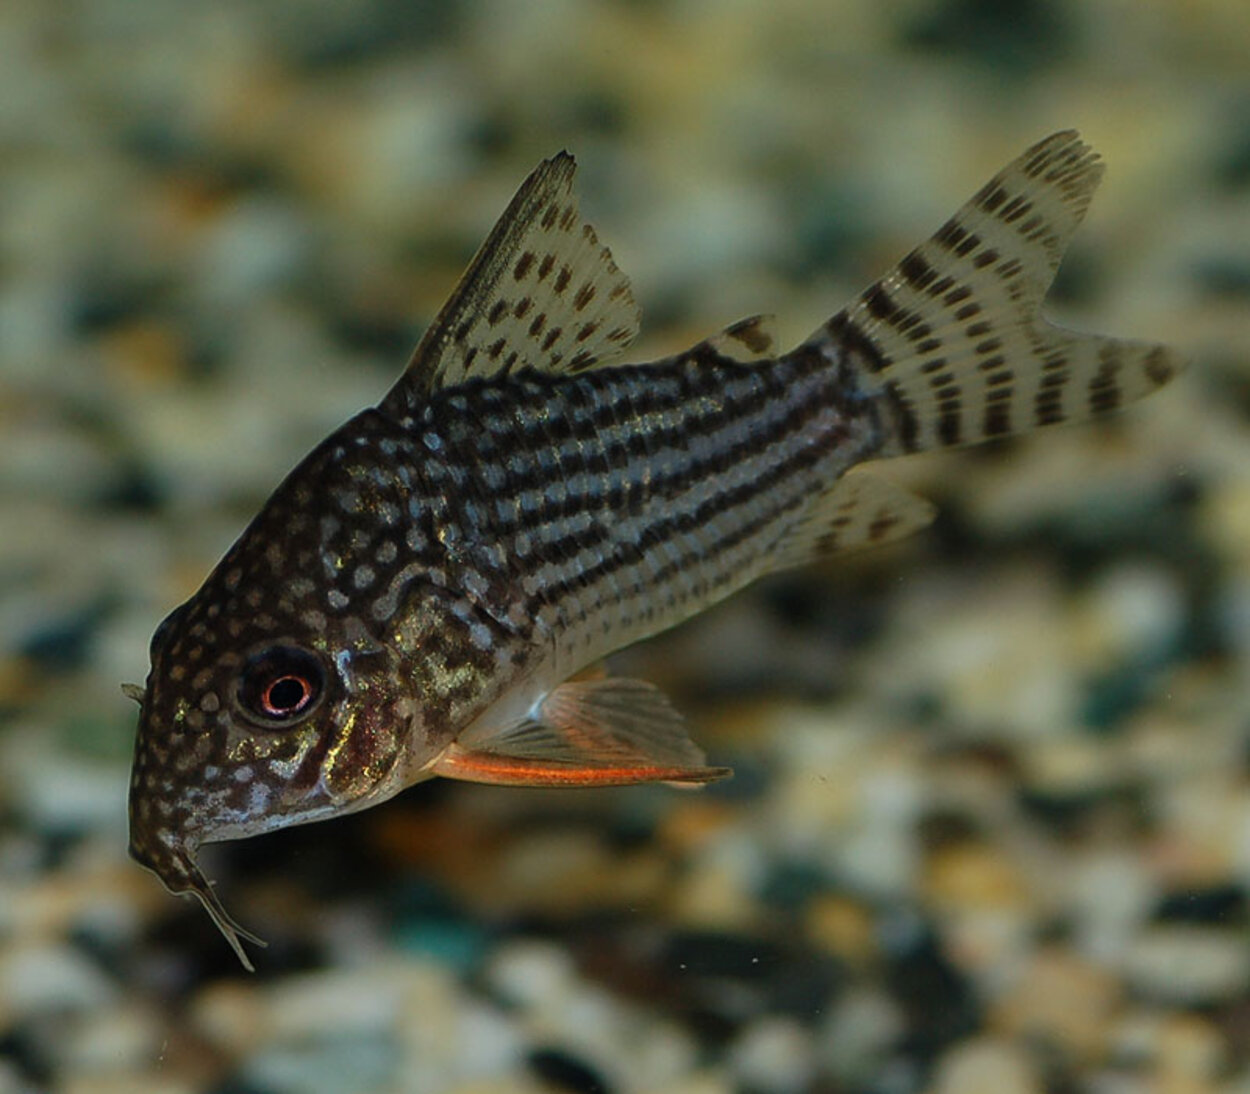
column 258, row 798
column 284, row 769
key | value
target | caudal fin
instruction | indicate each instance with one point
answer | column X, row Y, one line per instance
column 954, row 333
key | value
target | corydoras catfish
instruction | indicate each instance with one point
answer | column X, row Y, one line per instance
column 422, row 594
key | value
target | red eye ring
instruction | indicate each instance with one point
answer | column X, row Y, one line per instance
column 286, row 695
column 281, row 685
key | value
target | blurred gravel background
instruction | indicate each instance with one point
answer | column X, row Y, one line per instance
column 991, row 825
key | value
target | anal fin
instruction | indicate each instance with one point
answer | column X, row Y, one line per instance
column 861, row 510
column 586, row 732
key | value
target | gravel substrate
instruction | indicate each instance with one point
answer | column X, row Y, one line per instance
column 990, row 830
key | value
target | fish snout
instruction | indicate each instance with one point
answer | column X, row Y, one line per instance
column 164, row 851
column 172, row 859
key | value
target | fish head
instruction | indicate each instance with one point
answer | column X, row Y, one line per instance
column 263, row 708
column 237, row 740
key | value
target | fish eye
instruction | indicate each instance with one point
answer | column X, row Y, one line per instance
column 281, row 685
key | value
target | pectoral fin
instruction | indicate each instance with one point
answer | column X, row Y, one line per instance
column 586, row 732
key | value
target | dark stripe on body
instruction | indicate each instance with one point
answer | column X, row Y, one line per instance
column 651, row 455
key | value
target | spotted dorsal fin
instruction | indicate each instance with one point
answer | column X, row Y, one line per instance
column 542, row 293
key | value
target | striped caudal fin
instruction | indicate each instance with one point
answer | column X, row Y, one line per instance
column 954, row 333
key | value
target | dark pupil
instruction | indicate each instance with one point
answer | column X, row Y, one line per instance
column 286, row 694
column 281, row 684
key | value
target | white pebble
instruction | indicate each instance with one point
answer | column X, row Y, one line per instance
column 1110, row 894
column 354, row 1001
column 773, row 1055
column 858, row 1033
column 530, row 973
column 1133, row 608
column 986, row 1066
column 114, row 1039
column 37, row 978
column 1188, row 965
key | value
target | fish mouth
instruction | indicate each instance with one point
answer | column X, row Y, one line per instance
column 176, row 867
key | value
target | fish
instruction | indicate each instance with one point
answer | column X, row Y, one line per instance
column 429, row 591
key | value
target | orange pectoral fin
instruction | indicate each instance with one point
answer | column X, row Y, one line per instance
column 494, row 767
column 589, row 731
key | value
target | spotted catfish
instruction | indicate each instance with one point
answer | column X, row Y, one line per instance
column 423, row 594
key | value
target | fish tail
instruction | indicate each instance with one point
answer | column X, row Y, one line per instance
column 953, row 337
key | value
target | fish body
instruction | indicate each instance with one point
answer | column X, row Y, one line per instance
column 423, row 594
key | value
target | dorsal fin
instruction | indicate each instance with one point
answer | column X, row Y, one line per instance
column 542, row 292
